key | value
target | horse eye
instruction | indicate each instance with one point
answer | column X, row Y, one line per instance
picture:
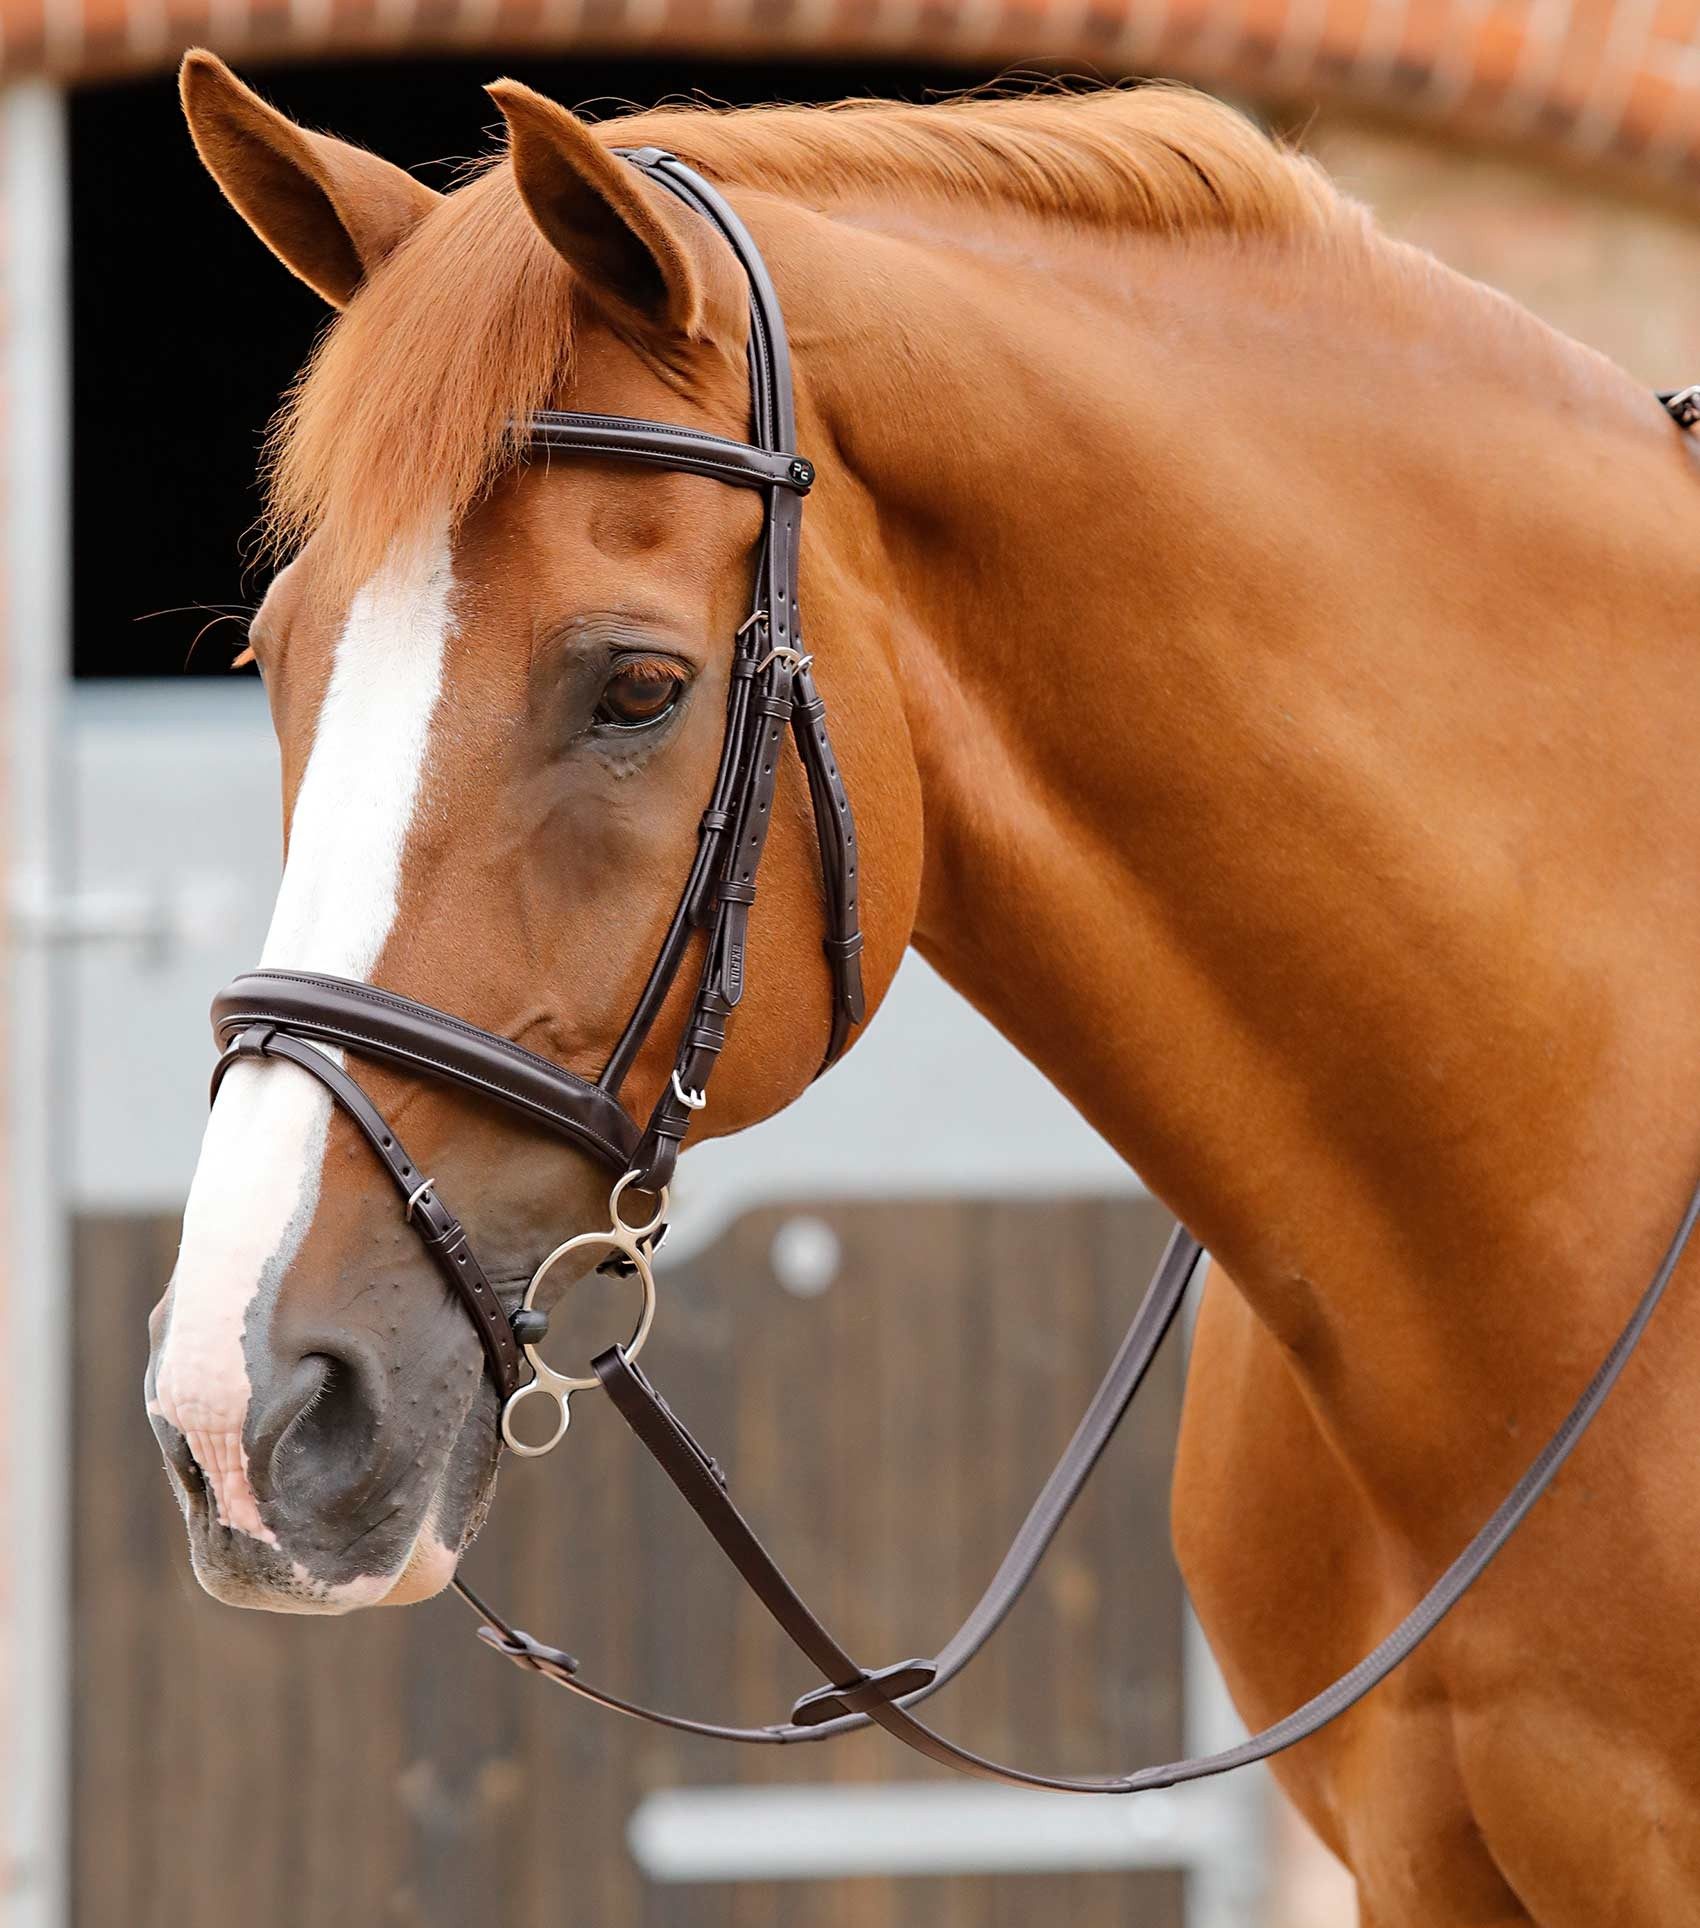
column 638, row 695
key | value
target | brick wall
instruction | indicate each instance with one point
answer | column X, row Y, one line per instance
column 1614, row 82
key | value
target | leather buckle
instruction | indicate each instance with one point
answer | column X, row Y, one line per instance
column 524, row 1651
column 887, row 1684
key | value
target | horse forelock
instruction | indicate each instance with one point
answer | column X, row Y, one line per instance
column 406, row 410
column 405, row 414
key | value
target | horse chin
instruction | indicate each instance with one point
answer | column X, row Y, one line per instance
column 266, row 1580
column 429, row 1569
column 266, row 1575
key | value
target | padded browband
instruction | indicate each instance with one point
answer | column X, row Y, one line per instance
column 628, row 438
column 380, row 1024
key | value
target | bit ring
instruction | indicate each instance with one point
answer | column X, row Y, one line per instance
column 632, row 1243
column 512, row 1440
column 637, row 1233
column 560, row 1386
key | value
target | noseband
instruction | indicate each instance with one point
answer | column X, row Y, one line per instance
column 293, row 1015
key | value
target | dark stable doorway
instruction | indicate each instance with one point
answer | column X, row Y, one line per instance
column 186, row 331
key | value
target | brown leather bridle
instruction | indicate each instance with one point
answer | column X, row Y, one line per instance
column 292, row 1014
column 285, row 1014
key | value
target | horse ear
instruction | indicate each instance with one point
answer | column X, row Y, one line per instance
column 328, row 211
column 636, row 251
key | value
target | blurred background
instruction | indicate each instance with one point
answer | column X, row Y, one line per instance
column 168, row 1760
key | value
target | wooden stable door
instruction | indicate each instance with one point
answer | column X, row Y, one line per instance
column 886, row 1432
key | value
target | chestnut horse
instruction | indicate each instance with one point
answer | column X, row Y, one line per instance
column 1265, row 666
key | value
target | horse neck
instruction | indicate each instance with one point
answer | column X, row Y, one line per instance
column 1297, row 645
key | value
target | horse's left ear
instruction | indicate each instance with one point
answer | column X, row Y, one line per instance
column 330, row 212
column 634, row 249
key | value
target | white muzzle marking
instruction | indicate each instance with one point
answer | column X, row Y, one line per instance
column 256, row 1186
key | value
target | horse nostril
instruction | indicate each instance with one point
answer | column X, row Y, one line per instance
column 334, row 1410
column 317, row 1435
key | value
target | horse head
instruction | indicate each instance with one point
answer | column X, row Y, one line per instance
column 501, row 689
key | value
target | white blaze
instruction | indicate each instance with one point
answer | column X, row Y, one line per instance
column 257, row 1184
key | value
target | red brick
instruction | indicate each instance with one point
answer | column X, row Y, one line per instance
column 692, row 22
column 1177, row 44
column 1678, row 21
column 1021, row 22
column 1102, row 27
column 1422, row 38
column 1576, row 78
column 1265, row 21
column 854, row 23
column 105, row 31
column 1343, row 28
column 516, row 20
column 1651, row 106
column 1500, row 43
column 25, row 37
column 188, row 21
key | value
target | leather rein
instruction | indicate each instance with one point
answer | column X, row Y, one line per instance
column 309, row 1020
